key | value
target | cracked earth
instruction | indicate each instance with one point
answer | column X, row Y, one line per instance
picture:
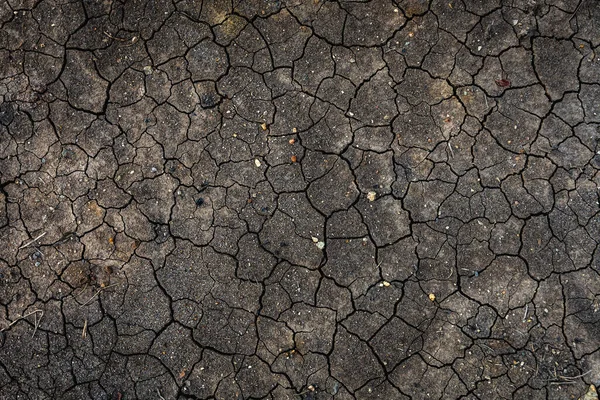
column 300, row 199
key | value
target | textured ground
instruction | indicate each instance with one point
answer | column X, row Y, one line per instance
column 301, row 199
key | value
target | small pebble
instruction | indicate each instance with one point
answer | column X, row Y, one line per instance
column 320, row 245
column 431, row 296
column 371, row 196
column 257, row 163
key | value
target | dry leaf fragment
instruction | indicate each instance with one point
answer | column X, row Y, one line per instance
column 371, row 196
column 263, row 126
column 591, row 394
column 294, row 158
column 431, row 296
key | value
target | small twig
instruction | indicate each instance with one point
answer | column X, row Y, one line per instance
column 91, row 298
column 82, row 290
column 36, row 322
column 159, row 395
column 32, row 241
column 526, row 311
column 84, row 330
column 65, row 238
column 20, row 318
column 451, row 150
column 305, row 392
column 115, row 38
column 537, row 364
column 563, row 383
column 97, row 293
column 575, row 377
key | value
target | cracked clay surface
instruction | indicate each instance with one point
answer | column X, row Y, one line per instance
column 299, row 199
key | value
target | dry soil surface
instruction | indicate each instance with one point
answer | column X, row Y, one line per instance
column 302, row 199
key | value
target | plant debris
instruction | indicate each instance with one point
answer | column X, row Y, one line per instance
column 591, row 394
